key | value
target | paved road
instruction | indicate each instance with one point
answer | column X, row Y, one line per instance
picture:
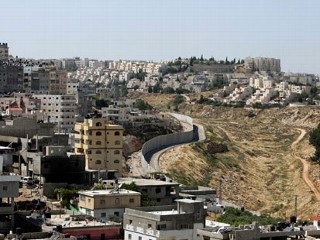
column 155, row 163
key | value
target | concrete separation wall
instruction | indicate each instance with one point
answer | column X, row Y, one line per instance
column 160, row 142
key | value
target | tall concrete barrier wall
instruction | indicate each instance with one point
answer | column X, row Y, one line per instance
column 163, row 141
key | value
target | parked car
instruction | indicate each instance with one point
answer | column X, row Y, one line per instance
column 27, row 180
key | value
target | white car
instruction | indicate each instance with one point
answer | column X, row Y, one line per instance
column 27, row 180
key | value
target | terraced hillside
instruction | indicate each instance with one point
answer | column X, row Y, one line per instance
column 262, row 168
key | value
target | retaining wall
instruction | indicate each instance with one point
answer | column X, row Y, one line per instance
column 163, row 141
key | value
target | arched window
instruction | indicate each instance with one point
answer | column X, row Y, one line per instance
column 116, row 161
column 117, row 142
column 98, row 161
column 98, row 142
column 116, row 152
column 98, row 133
column 98, row 124
column 117, row 133
column 98, row 152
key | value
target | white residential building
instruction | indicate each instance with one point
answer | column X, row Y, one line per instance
column 174, row 222
column 58, row 109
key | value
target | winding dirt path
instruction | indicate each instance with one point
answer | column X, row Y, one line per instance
column 306, row 164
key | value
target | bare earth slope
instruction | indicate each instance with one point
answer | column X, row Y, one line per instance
column 263, row 168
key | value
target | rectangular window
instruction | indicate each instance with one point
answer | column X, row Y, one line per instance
column 82, row 198
column 4, row 188
column 131, row 200
column 102, row 201
column 103, row 215
column 117, row 201
column 129, row 236
column 184, row 226
column 162, row 226
column 140, row 238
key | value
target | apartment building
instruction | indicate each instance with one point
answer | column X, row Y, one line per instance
column 58, row 109
column 102, row 204
column 58, row 82
column 4, row 52
column 9, row 189
column 160, row 192
column 171, row 222
column 263, row 64
column 102, row 144
column 11, row 78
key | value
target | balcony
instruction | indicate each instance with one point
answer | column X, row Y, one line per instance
column 149, row 231
column 78, row 145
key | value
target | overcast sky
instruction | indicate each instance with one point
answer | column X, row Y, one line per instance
column 165, row 29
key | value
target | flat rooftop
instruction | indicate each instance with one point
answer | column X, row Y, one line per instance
column 172, row 212
column 110, row 192
column 71, row 221
column 147, row 182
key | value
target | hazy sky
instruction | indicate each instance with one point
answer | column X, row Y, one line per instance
column 165, row 29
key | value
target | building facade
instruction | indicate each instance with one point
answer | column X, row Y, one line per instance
column 175, row 222
column 102, row 144
column 58, row 109
column 4, row 52
column 102, row 204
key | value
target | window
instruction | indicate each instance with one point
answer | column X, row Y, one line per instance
column 184, row 226
column 158, row 190
column 98, row 133
column 82, row 198
column 98, row 161
column 98, row 152
column 117, row 201
column 98, row 142
column 117, row 142
column 98, row 124
column 116, row 214
column 117, row 133
column 116, row 161
column 161, row 226
column 4, row 188
column 116, row 152
column 140, row 238
column 102, row 201
column 149, row 225
column 130, row 221
column 129, row 236
column 131, row 200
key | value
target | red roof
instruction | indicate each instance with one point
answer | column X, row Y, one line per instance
column 315, row 218
column 15, row 109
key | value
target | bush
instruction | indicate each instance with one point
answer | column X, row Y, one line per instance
column 214, row 147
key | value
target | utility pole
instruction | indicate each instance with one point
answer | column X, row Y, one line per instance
column 220, row 191
column 296, row 205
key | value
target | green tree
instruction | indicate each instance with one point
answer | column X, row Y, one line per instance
column 314, row 140
column 142, row 105
column 145, row 200
column 168, row 90
column 100, row 102
column 123, row 90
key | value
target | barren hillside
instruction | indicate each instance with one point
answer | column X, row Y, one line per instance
column 260, row 170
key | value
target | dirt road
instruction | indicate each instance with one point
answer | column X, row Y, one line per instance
column 306, row 165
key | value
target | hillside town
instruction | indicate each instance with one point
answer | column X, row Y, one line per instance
column 66, row 124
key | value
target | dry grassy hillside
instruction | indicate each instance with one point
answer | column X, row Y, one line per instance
column 259, row 170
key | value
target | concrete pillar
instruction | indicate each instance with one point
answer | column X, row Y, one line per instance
column 12, row 215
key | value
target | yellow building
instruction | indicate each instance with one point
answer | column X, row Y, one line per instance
column 102, row 144
column 101, row 204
